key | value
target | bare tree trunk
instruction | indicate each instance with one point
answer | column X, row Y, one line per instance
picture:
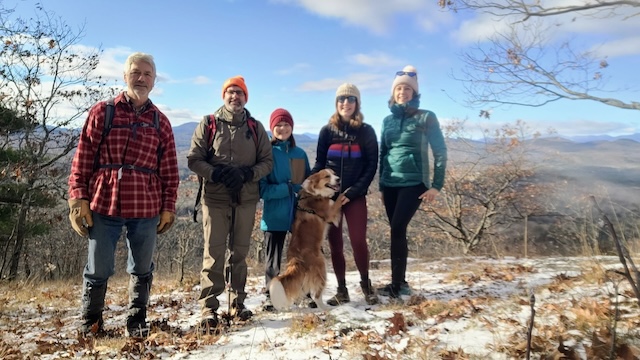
column 19, row 233
column 526, row 239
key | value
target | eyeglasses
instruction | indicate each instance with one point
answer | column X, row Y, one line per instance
column 237, row 92
column 350, row 99
column 410, row 73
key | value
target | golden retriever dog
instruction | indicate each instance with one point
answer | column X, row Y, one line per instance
column 305, row 271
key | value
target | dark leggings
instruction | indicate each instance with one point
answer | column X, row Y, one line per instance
column 355, row 212
column 273, row 242
column 401, row 203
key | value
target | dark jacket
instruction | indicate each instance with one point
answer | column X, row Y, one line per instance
column 279, row 188
column 407, row 135
column 351, row 151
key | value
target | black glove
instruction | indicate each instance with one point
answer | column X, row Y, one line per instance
column 247, row 173
column 218, row 173
column 233, row 179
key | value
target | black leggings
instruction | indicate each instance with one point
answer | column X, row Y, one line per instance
column 401, row 203
column 273, row 242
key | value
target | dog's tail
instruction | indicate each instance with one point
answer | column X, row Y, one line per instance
column 287, row 287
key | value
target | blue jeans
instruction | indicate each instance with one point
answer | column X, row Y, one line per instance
column 103, row 238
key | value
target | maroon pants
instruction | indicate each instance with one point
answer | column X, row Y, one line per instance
column 355, row 212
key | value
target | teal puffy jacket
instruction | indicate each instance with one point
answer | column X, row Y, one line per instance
column 406, row 137
column 278, row 189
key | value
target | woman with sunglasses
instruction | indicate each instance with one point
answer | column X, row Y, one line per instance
column 407, row 134
column 349, row 147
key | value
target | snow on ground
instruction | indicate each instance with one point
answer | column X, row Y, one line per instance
column 462, row 308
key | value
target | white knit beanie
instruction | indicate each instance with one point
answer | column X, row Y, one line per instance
column 406, row 79
column 347, row 89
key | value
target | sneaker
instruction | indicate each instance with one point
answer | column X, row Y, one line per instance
column 395, row 290
column 341, row 297
column 210, row 325
column 241, row 312
column 369, row 292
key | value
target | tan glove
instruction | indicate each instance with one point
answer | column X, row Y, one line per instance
column 166, row 221
column 80, row 210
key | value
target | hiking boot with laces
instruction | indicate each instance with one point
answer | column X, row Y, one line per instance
column 341, row 297
column 395, row 290
column 369, row 292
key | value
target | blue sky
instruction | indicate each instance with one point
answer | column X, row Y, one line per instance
column 295, row 53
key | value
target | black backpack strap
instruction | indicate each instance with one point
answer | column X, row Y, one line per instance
column 108, row 125
column 210, row 133
column 109, row 112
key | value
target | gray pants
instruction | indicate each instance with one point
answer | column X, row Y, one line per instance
column 216, row 224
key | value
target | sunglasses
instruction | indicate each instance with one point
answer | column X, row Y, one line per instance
column 410, row 73
column 350, row 99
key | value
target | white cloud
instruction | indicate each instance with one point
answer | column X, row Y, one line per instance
column 611, row 24
column 296, row 68
column 178, row 116
column 375, row 59
column 201, row 80
column 111, row 64
column 377, row 16
column 364, row 81
column 621, row 47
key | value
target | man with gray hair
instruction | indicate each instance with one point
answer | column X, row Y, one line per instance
column 124, row 174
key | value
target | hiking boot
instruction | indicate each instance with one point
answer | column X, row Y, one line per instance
column 395, row 290
column 268, row 305
column 137, row 323
column 369, row 292
column 210, row 325
column 141, row 331
column 308, row 302
column 241, row 312
column 341, row 297
column 91, row 325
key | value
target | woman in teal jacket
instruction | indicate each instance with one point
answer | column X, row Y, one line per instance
column 407, row 135
column 279, row 190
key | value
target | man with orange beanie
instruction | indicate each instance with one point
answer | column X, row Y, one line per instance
column 232, row 155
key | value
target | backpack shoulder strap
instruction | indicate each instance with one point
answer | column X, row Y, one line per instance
column 210, row 133
column 110, row 109
column 253, row 125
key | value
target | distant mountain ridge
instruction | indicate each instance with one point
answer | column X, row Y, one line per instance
column 182, row 134
column 592, row 138
column 184, row 131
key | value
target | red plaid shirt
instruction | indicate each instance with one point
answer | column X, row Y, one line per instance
column 126, row 193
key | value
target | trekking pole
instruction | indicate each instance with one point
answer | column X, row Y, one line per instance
column 230, row 292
